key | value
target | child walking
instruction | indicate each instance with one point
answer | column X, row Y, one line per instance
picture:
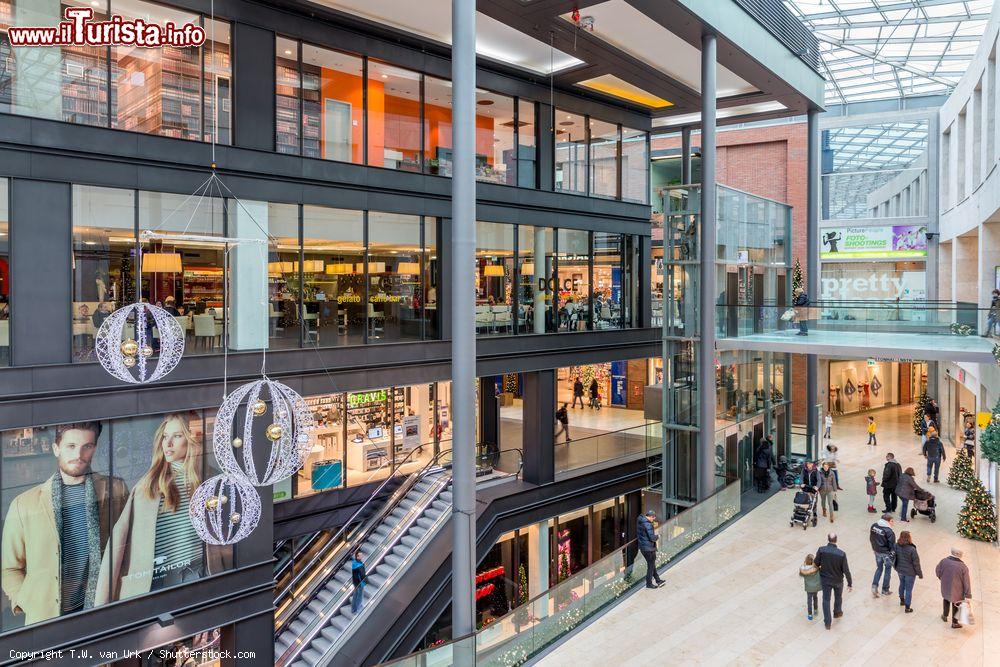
column 872, row 440
column 810, row 577
column 871, row 488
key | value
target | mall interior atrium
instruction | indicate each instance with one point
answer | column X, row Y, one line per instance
column 499, row 332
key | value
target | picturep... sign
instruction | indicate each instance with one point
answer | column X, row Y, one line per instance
column 895, row 242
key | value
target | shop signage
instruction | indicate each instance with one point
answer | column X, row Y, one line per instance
column 366, row 398
column 618, row 378
column 904, row 285
column 895, row 242
column 79, row 29
column 411, row 432
column 983, row 419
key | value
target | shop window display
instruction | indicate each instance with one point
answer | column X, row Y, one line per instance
column 609, row 280
column 536, row 268
column 571, row 152
column 494, row 278
column 287, row 93
column 395, row 290
column 284, row 281
column 574, row 280
column 96, row 512
column 333, row 308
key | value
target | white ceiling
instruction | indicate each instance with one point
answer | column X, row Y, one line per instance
column 432, row 19
column 625, row 27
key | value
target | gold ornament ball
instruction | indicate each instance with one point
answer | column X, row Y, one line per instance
column 274, row 432
column 129, row 347
column 212, row 503
column 237, row 443
column 234, row 518
column 259, row 408
column 146, row 351
column 128, row 361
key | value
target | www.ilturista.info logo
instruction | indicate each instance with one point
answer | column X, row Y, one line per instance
column 79, row 30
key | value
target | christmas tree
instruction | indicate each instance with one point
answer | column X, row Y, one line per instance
column 978, row 518
column 563, row 567
column 961, row 475
column 522, row 585
column 797, row 278
column 989, row 441
column 918, row 412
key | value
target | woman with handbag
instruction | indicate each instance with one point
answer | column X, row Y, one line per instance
column 828, row 490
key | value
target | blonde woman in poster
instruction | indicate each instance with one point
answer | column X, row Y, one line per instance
column 153, row 544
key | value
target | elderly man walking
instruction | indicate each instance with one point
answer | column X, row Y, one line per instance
column 833, row 568
column 956, row 586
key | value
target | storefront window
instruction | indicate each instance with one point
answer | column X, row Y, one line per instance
column 287, row 95
column 437, row 127
column 494, row 278
column 218, row 74
column 495, row 159
column 333, row 309
column 393, row 117
column 574, row 280
column 283, row 284
column 103, row 260
column 527, row 130
column 571, row 153
column 332, row 105
column 395, row 292
column 536, row 268
column 604, row 145
column 431, row 264
column 110, row 546
column 635, row 166
column 4, row 275
column 608, row 280
column 572, row 544
column 187, row 278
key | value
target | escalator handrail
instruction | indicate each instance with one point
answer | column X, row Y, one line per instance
column 397, row 495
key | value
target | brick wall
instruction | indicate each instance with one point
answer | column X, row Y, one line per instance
column 768, row 162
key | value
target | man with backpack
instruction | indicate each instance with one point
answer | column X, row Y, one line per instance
column 934, row 453
column 562, row 420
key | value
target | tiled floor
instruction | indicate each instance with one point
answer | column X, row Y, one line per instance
column 739, row 600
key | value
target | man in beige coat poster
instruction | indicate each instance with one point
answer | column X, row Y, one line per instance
column 54, row 533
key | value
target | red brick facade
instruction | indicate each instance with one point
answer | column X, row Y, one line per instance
column 768, row 162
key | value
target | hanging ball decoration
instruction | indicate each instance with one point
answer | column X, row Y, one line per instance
column 274, row 432
column 139, row 320
column 221, row 523
column 287, row 435
column 259, row 408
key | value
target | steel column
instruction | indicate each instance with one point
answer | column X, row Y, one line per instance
column 812, row 274
column 685, row 155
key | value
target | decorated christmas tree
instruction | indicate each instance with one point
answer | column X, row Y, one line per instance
column 918, row 412
column 563, row 567
column 797, row 279
column 989, row 441
column 522, row 585
column 961, row 475
column 978, row 518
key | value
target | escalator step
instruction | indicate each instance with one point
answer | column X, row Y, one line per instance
column 445, row 496
column 331, row 633
column 298, row 625
column 339, row 622
column 418, row 531
column 376, row 581
column 441, row 505
column 425, row 522
column 322, row 644
column 310, row 657
column 409, row 541
column 401, row 550
column 393, row 560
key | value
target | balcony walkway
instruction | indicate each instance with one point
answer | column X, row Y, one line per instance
column 868, row 344
column 739, row 600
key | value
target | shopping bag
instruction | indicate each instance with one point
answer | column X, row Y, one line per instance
column 965, row 614
column 836, row 507
column 788, row 315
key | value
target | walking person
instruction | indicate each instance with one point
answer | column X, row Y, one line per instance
column 883, row 542
column 905, row 490
column 827, row 489
column 578, row 392
column 810, row 480
column 956, row 587
column 811, row 579
column 562, row 420
column 934, row 453
column 831, row 456
column 646, row 537
column 872, row 427
column 359, row 577
column 970, row 440
column 993, row 317
column 871, row 488
column 907, row 568
column 828, row 424
column 763, row 460
column 833, row 569
column 595, row 395
column 890, row 477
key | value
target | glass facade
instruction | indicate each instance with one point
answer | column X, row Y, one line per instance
column 600, row 159
column 95, row 512
column 184, row 93
column 571, row 152
column 4, row 273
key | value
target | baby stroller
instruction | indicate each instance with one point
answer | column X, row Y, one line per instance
column 923, row 502
column 804, row 510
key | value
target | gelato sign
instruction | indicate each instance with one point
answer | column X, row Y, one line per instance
column 895, row 242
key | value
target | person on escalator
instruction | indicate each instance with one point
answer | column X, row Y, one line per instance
column 358, row 576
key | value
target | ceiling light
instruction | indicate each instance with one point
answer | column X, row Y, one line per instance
column 287, row 52
column 385, row 76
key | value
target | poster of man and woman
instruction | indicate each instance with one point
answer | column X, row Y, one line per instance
column 95, row 511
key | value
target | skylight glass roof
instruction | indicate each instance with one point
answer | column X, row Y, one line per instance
column 882, row 49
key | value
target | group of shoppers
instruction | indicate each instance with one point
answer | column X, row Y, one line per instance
column 594, row 391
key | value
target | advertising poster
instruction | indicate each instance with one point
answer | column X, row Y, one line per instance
column 411, row 432
column 618, row 382
column 888, row 242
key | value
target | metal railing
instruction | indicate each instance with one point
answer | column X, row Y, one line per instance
column 525, row 631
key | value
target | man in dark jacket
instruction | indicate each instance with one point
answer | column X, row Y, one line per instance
column 763, row 462
column 646, row 537
column 562, row 421
column 833, row 568
column 934, row 452
column 578, row 392
column 890, row 477
column 956, row 587
column 883, row 542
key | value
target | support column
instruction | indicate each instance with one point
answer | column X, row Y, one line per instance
column 685, row 155
column 463, row 326
column 812, row 274
column 707, row 288
column 538, row 437
column 538, row 558
column 541, row 279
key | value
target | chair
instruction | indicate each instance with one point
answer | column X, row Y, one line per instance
column 606, row 314
column 484, row 320
column 273, row 317
column 502, row 317
column 311, row 322
column 206, row 329
column 374, row 317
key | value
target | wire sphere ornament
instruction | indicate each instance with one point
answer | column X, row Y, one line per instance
column 120, row 356
column 224, row 510
column 288, row 432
